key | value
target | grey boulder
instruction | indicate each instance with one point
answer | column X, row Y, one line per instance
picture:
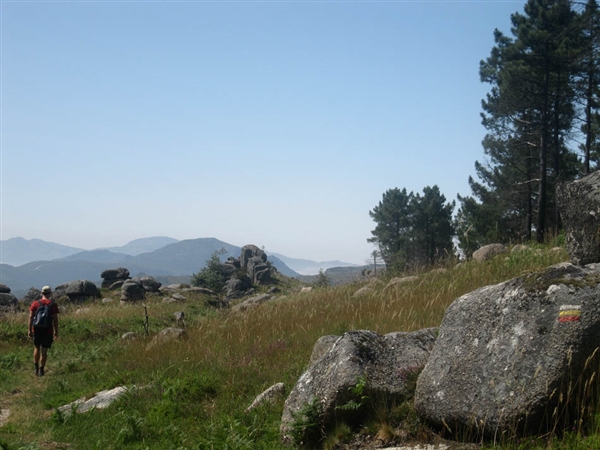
column 379, row 359
column 506, row 353
column 579, row 205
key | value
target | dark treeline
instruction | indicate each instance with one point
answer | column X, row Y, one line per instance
column 543, row 127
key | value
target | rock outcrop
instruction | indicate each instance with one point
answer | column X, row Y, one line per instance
column 254, row 262
column 114, row 278
column 507, row 353
column 579, row 205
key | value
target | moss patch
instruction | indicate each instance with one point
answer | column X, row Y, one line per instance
column 570, row 276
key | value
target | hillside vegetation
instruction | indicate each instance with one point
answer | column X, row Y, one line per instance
column 195, row 392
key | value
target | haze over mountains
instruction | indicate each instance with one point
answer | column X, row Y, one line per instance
column 26, row 263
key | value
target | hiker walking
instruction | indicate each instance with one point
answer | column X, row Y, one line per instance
column 43, row 327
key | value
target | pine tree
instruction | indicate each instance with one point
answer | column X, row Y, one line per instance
column 433, row 229
column 394, row 227
column 413, row 230
column 587, row 83
column 529, row 117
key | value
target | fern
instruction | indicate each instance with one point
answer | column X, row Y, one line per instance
column 358, row 399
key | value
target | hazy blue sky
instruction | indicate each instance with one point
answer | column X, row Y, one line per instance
column 279, row 124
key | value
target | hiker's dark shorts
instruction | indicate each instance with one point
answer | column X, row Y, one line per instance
column 42, row 339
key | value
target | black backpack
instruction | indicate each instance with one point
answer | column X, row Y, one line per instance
column 43, row 317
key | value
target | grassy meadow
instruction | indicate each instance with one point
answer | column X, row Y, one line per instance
column 193, row 394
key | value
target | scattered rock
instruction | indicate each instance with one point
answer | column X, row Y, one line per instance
column 199, row 290
column 4, row 415
column 363, row 292
column 178, row 297
column 175, row 287
column 180, row 318
column 129, row 335
column 101, row 400
column 401, row 280
column 251, row 303
column 107, row 300
column 488, row 251
column 167, row 335
column 268, row 397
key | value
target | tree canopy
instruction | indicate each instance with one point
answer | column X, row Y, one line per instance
column 412, row 230
column 541, row 110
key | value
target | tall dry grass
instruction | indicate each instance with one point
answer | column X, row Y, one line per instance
column 228, row 359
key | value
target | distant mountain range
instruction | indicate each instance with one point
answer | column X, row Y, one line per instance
column 27, row 263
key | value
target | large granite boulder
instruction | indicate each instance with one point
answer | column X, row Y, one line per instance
column 579, row 205
column 77, row 291
column 111, row 278
column 132, row 290
column 149, row 284
column 377, row 359
column 507, row 353
column 34, row 294
column 8, row 301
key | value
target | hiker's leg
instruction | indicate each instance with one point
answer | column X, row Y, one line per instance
column 44, row 356
column 36, row 354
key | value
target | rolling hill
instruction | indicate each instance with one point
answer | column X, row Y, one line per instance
column 181, row 258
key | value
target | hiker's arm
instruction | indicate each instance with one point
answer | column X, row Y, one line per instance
column 30, row 324
column 55, row 325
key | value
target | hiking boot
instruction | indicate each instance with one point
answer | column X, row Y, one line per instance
column 41, row 372
column 37, row 371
